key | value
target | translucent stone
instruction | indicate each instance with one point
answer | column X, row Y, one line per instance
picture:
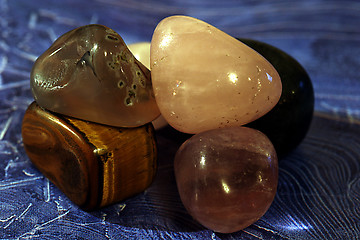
column 141, row 51
column 205, row 79
column 227, row 178
column 90, row 74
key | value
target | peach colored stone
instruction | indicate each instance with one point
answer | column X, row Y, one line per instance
column 141, row 52
column 89, row 73
column 205, row 79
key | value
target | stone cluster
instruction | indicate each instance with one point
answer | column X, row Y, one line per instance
column 202, row 82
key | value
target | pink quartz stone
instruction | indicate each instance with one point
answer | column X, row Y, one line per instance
column 205, row 79
column 227, row 178
column 89, row 73
column 141, row 52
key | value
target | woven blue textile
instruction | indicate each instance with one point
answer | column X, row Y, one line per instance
column 319, row 183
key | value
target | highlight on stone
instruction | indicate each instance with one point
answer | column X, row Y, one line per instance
column 202, row 82
column 89, row 73
column 227, row 178
column 205, row 79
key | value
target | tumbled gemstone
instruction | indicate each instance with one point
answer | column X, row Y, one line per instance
column 205, row 79
column 89, row 73
column 227, row 178
column 288, row 122
column 141, row 52
column 95, row 165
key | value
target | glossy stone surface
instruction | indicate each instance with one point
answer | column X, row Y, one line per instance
column 319, row 186
column 141, row 52
column 93, row 164
column 90, row 74
column 227, row 178
column 288, row 122
column 205, row 79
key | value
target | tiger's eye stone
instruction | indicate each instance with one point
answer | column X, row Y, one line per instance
column 93, row 164
column 141, row 51
column 205, row 79
column 90, row 74
column 288, row 122
column 227, row 178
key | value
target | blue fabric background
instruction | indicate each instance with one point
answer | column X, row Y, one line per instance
column 319, row 183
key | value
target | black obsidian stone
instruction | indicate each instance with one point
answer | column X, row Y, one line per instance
column 288, row 122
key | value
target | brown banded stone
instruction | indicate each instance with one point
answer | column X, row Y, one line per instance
column 93, row 164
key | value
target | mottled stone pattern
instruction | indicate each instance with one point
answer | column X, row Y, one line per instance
column 89, row 73
column 319, row 182
column 141, row 52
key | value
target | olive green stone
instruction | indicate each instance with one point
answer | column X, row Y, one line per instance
column 288, row 122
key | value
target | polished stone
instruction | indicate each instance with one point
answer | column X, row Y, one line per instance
column 141, row 52
column 205, row 79
column 90, row 74
column 227, row 178
column 288, row 122
column 94, row 165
